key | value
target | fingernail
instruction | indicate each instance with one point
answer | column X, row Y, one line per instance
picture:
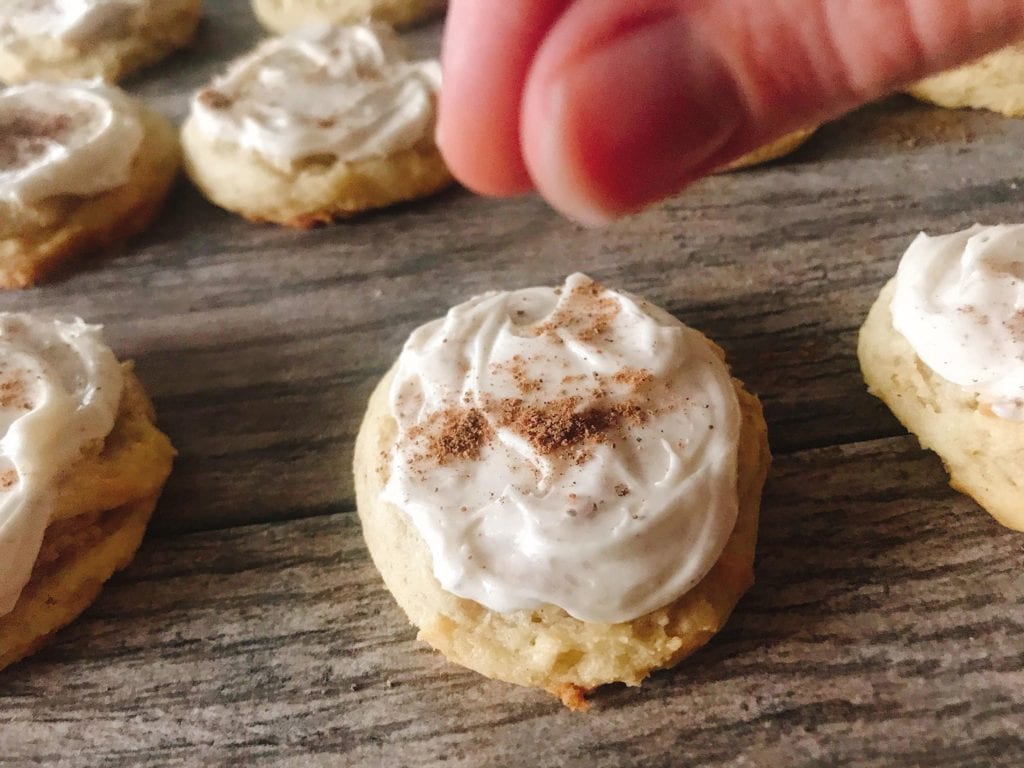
column 629, row 120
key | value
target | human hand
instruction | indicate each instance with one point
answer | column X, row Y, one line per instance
column 606, row 106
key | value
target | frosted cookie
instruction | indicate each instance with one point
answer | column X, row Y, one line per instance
column 81, row 467
column 943, row 347
column 994, row 82
column 82, row 166
column 771, row 151
column 317, row 125
column 77, row 39
column 560, row 486
column 282, row 16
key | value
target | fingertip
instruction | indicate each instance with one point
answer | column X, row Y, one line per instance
column 476, row 162
column 622, row 109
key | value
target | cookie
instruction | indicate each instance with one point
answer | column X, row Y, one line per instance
column 943, row 347
column 994, row 82
column 58, row 40
column 561, row 489
column 82, row 167
column 78, row 487
column 281, row 16
column 315, row 126
column 771, row 151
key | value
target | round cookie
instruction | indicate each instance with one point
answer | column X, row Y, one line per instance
column 284, row 138
column 771, row 151
column 544, row 646
column 983, row 454
column 994, row 82
column 281, row 16
column 96, row 513
column 53, row 40
column 82, row 167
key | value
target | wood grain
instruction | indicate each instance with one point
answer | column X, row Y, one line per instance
column 884, row 630
column 886, row 625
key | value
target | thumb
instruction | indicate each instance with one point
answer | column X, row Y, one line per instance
column 627, row 103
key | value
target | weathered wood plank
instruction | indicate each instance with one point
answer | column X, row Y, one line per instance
column 884, row 630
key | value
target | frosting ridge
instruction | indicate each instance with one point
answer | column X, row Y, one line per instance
column 347, row 93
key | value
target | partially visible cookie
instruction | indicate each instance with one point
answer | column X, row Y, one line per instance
column 943, row 347
column 283, row 16
column 317, row 125
column 77, row 561
column 82, row 166
column 77, row 490
column 994, row 82
column 771, row 151
column 560, row 487
column 60, row 40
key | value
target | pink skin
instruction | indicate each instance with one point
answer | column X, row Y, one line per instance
column 606, row 106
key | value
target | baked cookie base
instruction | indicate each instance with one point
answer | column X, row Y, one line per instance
column 983, row 454
column 546, row 648
column 995, row 82
column 38, row 241
column 283, row 16
column 132, row 463
column 318, row 191
column 100, row 515
column 67, row 579
column 168, row 26
column 772, row 151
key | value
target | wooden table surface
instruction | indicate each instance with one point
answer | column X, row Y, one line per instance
column 886, row 627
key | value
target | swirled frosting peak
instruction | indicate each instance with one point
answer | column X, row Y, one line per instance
column 73, row 21
column 346, row 93
column 572, row 446
column 77, row 138
column 959, row 301
column 60, row 387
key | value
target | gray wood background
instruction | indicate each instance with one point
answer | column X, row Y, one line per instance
column 887, row 624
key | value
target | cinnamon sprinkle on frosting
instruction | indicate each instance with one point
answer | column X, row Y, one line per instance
column 558, row 425
column 24, row 135
column 13, row 394
column 454, row 434
column 543, row 433
column 580, row 416
column 588, row 316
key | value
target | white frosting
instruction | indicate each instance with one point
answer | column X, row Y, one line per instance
column 60, row 387
column 77, row 138
column 75, row 21
column 607, row 528
column 348, row 93
column 959, row 301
